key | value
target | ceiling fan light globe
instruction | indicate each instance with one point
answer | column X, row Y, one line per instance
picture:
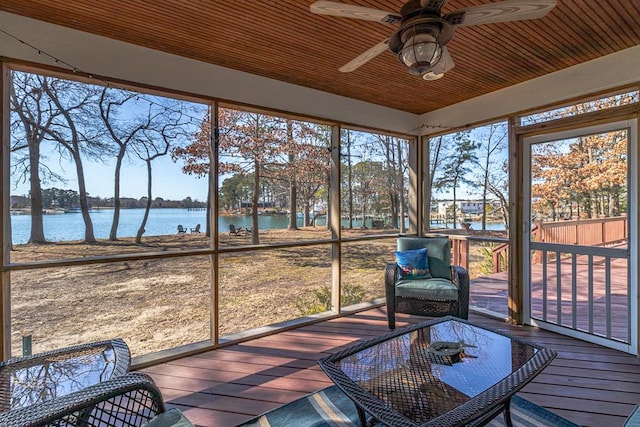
column 419, row 68
column 420, row 52
column 432, row 76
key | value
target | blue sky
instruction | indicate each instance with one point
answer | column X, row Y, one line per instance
column 168, row 180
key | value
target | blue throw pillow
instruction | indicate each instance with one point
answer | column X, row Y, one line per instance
column 413, row 264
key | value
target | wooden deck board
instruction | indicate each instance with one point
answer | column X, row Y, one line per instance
column 586, row 383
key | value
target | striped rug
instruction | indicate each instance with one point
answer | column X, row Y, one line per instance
column 331, row 408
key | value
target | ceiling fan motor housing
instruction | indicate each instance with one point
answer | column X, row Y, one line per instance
column 422, row 34
column 419, row 41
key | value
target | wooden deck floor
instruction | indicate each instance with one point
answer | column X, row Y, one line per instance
column 490, row 293
column 586, row 383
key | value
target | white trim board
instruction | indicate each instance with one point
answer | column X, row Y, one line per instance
column 603, row 73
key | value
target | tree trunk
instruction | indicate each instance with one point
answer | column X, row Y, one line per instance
column 307, row 215
column 485, row 186
column 350, row 183
column 113, row 234
column 208, row 219
column 143, row 224
column 293, row 185
column 37, row 226
column 293, row 205
column 455, row 220
column 255, row 237
column 400, row 186
column 89, row 237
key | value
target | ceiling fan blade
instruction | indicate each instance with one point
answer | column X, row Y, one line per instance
column 509, row 10
column 332, row 8
column 445, row 64
column 364, row 57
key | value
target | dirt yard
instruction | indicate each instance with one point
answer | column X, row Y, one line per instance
column 161, row 303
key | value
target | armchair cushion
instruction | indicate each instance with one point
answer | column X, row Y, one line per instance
column 172, row 418
column 413, row 264
column 436, row 289
column 438, row 253
column 633, row 420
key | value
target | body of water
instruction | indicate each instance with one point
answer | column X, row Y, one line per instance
column 69, row 226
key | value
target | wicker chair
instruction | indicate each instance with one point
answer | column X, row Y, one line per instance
column 131, row 400
column 447, row 293
column 30, row 380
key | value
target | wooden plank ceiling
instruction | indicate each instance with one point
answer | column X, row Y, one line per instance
column 284, row 41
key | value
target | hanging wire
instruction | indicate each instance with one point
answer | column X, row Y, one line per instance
column 109, row 85
column 141, row 94
column 423, row 126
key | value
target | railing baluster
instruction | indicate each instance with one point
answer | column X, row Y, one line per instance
column 607, row 294
column 574, row 291
column 590, row 296
column 558, row 288
column 596, row 316
column 544, row 286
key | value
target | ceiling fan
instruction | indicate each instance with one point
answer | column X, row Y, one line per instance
column 420, row 41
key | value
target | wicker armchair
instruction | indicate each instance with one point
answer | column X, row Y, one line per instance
column 447, row 293
column 130, row 400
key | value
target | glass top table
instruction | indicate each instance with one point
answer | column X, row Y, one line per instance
column 26, row 381
column 440, row 372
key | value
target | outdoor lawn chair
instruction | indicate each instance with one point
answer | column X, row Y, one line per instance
column 131, row 400
column 196, row 229
column 181, row 229
column 424, row 282
column 233, row 231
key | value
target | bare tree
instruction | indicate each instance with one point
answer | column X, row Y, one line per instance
column 293, row 184
column 392, row 151
column 500, row 190
column 349, row 167
column 34, row 115
column 490, row 144
column 157, row 142
column 75, row 133
column 122, row 133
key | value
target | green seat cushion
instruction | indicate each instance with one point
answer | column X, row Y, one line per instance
column 436, row 289
column 634, row 419
column 172, row 418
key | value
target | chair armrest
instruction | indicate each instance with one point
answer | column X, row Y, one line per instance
column 460, row 278
column 120, row 348
column 129, row 400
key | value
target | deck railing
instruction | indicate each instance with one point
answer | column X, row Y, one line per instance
column 580, row 287
column 461, row 250
column 585, row 232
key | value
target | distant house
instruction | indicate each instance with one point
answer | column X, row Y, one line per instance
column 466, row 207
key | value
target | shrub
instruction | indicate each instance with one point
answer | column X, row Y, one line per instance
column 320, row 300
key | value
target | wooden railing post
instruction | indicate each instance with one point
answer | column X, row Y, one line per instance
column 460, row 252
column 538, row 236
